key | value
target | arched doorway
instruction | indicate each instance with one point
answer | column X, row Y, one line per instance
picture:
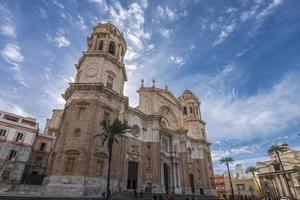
column 166, row 177
column 192, row 183
column 132, row 175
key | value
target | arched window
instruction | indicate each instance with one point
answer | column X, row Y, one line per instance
column 112, row 48
column 100, row 45
column 184, row 110
column 110, row 81
column 164, row 144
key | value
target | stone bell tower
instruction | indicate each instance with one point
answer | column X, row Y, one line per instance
column 79, row 160
column 192, row 119
column 103, row 60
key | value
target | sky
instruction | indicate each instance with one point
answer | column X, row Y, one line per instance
column 240, row 57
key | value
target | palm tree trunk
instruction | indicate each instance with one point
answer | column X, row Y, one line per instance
column 109, row 147
column 232, row 193
column 285, row 178
column 260, row 190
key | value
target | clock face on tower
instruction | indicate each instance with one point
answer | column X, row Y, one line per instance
column 91, row 70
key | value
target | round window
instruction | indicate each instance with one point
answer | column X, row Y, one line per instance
column 136, row 130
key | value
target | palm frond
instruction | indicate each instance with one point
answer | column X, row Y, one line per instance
column 251, row 169
column 226, row 160
column 275, row 148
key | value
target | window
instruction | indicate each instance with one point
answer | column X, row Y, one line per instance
column 100, row 45
column 43, row 146
column 39, row 161
column 6, row 173
column 191, row 110
column 99, row 167
column 112, row 48
column 240, row 187
column 69, row 167
column 12, row 155
column 3, row 133
column 109, row 83
column 81, row 112
column 175, row 148
column 251, row 188
column 106, row 116
column 164, row 144
column 20, row 137
column 135, row 130
column 184, row 111
column 11, row 118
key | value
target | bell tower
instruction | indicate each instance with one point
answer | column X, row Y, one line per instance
column 79, row 157
column 102, row 62
column 192, row 119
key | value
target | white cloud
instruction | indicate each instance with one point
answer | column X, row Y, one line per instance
column 11, row 107
column 150, row 47
column 230, row 116
column 131, row 55
column 166, row 33
column 58, row 4
column 101, row 4
column 61, row 41
column 226, row 31
column 81, row 22
column 166, row 13
column 213, row 27
column 8, row 30
column 178, row 60
column 12, row 53
column 265, row 12
column 192, row 47
column 42, row 12
column 132, row 66
column 135, row 41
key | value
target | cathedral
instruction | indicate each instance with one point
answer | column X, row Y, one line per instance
column 166, row 151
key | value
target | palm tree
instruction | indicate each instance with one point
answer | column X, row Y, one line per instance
column 228, row 160
column 280, row 149
column 252, row 170
column 110, row 133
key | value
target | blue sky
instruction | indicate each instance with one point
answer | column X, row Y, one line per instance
column 242, row 58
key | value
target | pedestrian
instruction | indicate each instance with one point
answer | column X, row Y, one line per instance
column 135, row 193
column 142, row 194
column 154, row 197
column 187, row 198
column 160, row 197
column 171, row 196
column 103, row 194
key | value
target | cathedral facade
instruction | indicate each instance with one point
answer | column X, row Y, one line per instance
column 167, row 150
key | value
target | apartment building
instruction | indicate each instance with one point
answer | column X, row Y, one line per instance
column 17, row 136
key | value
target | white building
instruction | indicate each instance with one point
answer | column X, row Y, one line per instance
column 17, row 135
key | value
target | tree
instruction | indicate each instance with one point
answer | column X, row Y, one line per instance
column 252, row 170
column 110, row 133
column 276, row 149
column 228, row 160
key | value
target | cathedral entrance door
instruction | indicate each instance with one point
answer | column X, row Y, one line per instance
column 166, row 177
column 192, row 183
column 132, row 175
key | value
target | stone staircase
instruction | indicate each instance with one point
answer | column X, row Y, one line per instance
column 129, row 195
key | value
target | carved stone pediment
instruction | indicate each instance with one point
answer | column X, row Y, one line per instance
column 134, row 154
